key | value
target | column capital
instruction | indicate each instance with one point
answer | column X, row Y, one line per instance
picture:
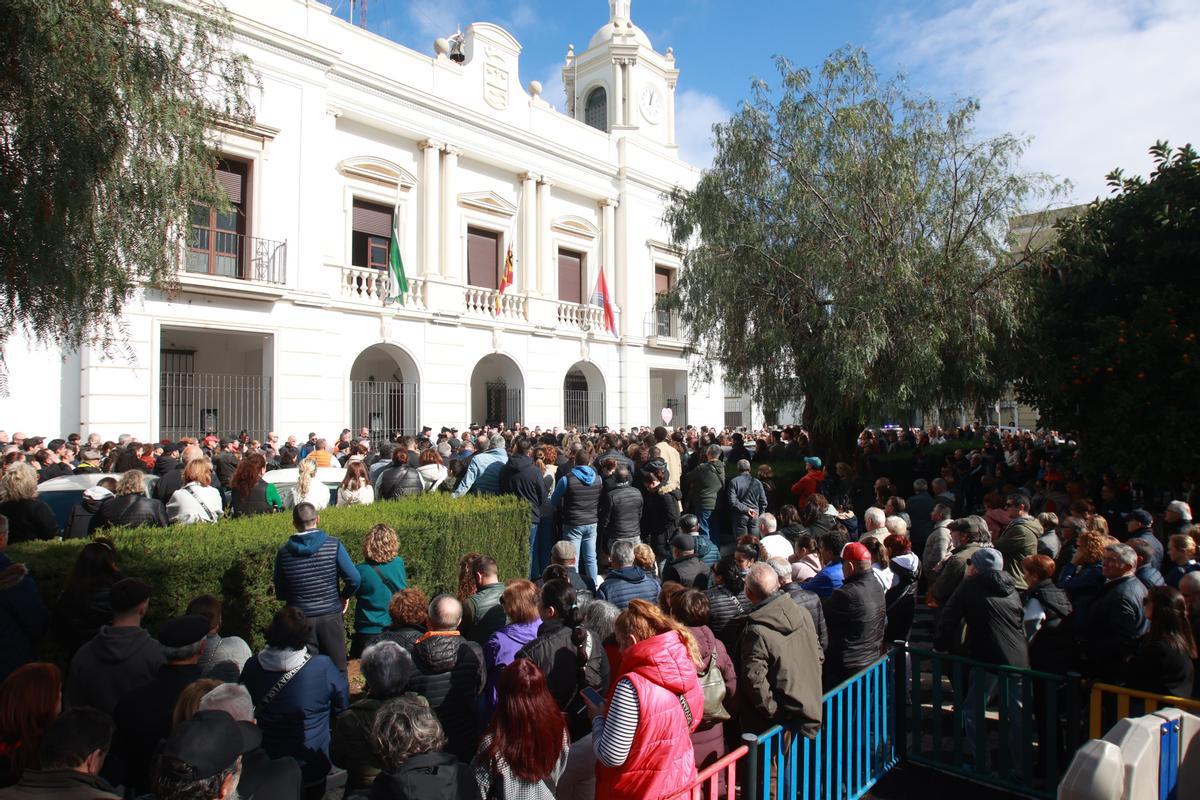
column 529, row 176
column 607, row 202
column 544, row 181
column 450, row 150
column 430, row 144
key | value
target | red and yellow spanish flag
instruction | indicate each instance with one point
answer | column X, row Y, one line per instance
column 506, row 279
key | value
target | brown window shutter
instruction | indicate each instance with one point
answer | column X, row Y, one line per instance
column 662, row 280
column 570, row 276
column 372, row 219
column 232, row 178
column 483, row 258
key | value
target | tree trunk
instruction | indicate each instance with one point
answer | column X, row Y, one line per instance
column 832, row 441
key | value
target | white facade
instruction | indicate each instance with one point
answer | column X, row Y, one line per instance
column 290, row 335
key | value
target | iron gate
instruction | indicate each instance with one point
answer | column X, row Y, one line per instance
column 197, row 404
column 502, row 404
column 582, row 409
column 385, row 408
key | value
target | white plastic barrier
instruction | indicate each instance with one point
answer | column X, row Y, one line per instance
column 1124, row 765
column 1096, row 773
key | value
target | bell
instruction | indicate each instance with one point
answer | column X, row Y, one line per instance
column 456, row 48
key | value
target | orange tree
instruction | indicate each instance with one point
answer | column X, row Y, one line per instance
column 1110, row 344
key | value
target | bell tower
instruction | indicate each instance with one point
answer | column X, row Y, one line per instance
column 620, row 84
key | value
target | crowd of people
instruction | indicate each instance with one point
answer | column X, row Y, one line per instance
column 678, row 596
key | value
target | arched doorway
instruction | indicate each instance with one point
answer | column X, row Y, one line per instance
column 497, row 391
column 583, row 396
column 385, row 393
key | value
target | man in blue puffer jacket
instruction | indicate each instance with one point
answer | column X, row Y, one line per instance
column 483, row 473
column 307, row 568
column 625, row 581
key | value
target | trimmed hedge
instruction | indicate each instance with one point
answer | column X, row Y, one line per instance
column 234, row 558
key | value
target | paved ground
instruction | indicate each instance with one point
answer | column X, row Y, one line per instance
column 910, row 781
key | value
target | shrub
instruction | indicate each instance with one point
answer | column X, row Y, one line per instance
column 235, row 558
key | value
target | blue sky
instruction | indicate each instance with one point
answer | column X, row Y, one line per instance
column 1093, row 82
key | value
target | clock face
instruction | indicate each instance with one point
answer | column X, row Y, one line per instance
column 651, row 104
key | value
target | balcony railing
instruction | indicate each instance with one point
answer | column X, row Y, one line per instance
column 664, row 325
column 581, row 317
column 371, row 285
column 213, row 251
column 493, row 303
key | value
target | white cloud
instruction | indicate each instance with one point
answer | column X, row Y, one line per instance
column 552, row 88
column 1094, row 82
column 695, row 114
column 521, row 15
column 433, row 18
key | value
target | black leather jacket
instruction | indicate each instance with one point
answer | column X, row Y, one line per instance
column 450, row 674
column 130, row 511
column 621, row 513
column 855, row 616
column 398, row 481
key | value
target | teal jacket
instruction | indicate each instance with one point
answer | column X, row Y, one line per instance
column 371, row 610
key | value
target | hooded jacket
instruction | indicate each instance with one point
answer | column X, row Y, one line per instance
column 556, row 655
column 780, row 667
column 578, row 495
column 80, row 521
column 307, row 567
column 621, row 513
column 450, row 674
column 625, row 584
column 855, row 616
column 520, row 477
column 1018, row 540
column 807, row 486
column 990, row 607
column 114, row 662
column 296, row 721
column 429, row 776
column 661, row 762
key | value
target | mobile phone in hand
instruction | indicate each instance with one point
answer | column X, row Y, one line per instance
column 592, row 696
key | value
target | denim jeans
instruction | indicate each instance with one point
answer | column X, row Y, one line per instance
column 702, row 517
column 584, row 539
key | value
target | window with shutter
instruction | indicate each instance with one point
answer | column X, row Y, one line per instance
column 595, row 110
column 483, row 258
column 371, row 235
column 217, row 243
column 570, row 276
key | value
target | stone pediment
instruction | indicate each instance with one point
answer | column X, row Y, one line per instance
column 576, row 226
column 378, row 170
column 489, row 202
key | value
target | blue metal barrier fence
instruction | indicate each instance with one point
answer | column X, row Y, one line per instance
column 855, row 748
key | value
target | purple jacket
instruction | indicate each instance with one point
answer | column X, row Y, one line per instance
column 500, row 651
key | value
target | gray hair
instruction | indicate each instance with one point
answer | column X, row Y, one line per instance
column 563, row 552
column 767, row 523
column 232, row 698
column 386, row 666
column 944, row 511
column 1124, row 552
column 743, row 465
column 920, row 485
column 182, row 653
column 763, row 580
column 939, row 485
column 874, row 518
column 621, row 553
column 782, row 568
column 445, row 613
column 600, row 617
column 896, row 525
column 714, row 451
column 405, row 726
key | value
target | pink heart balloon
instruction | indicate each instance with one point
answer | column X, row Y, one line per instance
column 667, row 414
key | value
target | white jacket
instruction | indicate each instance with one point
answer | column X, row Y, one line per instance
column 195, row 503
column 432, row 475
column 318, row 495
column 360, row 497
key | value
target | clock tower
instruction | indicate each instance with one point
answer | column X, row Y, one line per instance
column 620, row 84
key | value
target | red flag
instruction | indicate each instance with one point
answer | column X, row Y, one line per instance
column 600, row 298
column 506, row 280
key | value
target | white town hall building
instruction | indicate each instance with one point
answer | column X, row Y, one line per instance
column 284, row 317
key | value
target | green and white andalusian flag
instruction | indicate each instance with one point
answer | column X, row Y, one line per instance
column 396, row 264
